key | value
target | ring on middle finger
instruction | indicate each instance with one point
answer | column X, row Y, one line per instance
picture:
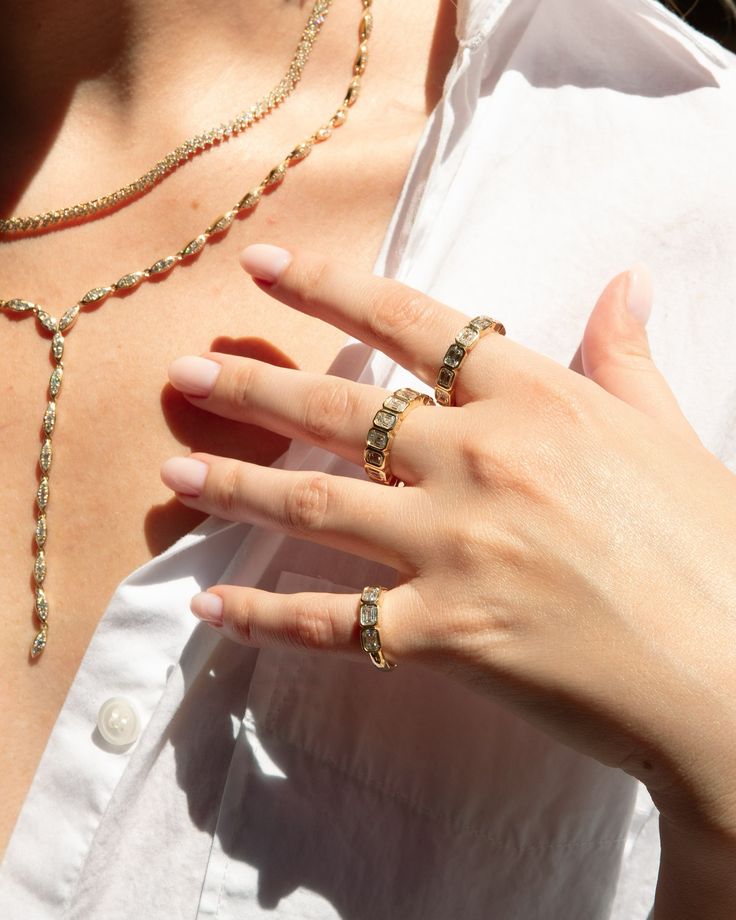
column 465, row 340
column 386, row 423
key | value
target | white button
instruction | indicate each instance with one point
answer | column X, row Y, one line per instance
column 118, row 721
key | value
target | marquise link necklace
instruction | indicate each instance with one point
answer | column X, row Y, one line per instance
column 58, row 329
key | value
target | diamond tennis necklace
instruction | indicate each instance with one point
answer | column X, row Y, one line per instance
column 188, row 148
column 59, row 329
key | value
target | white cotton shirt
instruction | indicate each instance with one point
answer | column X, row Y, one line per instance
column 572, row 139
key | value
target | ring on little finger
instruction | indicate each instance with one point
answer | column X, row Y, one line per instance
column 465, row 340
column 370, row 638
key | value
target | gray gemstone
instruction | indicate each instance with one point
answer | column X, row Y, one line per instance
column 442, row 396
column 455, row 354
column 374, row 457
column 384, row 419
column 445, row 377
column 377, row 438
column 368, row 614
column 370, row 639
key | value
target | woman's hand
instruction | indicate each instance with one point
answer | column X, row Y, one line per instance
column 564, row 542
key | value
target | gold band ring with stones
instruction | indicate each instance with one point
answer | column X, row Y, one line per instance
column 386, row 423
column 444, row 391
column 370, row 638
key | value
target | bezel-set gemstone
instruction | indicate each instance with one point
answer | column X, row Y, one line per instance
column 481, row 322
column 221, row 224
column 376, row 475
column 193, row 246
column 39, row 644
column 68, row 318
column 368, row 614
column 446, row 377
column 57, row 346
column 48, row 321
column 42, row 495
column 49, row 418
column 16, row 305
column 370, row 595
column 163, row 265
column 384, row 419
column 42, row 605
column 407, row 393
column 129, row 281
column 39, row 567
column 45, row 458
column 249, row 200
column 96, row 294
column 370, row 639
column 454, row 356
column 55, row 380
column 442, row 396
column 395, row 404
column 377, row 439
column 374, row 457
column 467, row 336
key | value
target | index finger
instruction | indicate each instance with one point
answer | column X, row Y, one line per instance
column 412, row 328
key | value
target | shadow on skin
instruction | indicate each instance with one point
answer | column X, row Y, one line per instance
column 198, row 430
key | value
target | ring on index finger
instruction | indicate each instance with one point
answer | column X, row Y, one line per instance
column 465, row 340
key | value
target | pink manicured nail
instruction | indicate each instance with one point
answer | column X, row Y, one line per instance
column 208, row 607
column 639, row 292
column 184, row 474
column 265, row 262
column 194, row 375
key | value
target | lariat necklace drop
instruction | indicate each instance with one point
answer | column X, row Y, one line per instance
column 58, row 329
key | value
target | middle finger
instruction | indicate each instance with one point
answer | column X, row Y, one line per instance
column 320, row 409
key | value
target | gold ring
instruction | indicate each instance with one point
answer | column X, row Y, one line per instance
column 386, row 423
column 370, row 638
column 465, row 340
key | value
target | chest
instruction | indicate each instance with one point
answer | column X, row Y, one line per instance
column 118, row 418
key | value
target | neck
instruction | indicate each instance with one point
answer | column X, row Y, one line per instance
column 122, row 51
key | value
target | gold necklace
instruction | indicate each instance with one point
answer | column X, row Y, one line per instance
column 58, row 329
column 189, row 148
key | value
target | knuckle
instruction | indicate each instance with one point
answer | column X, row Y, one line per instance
column 325, row 411
column 557, row 400
column 228, row 490
column 241, row 621
column 306, row 504
column 310, row 629
column 397, row 311
column 311, row 279
column 241, row 384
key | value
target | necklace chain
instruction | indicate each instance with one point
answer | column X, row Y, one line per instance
column 58, row 329
column 188, row 148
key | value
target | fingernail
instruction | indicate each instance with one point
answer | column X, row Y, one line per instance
column 207, row 607
column 639, row 292
column 265, row 262
column 184, row 474
column 194, row 375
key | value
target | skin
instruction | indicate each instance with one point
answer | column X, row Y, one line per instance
column 577, row 586
column 96, row 94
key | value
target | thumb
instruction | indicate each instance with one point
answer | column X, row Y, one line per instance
column 614, row 351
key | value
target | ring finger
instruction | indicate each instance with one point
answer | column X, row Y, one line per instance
column 381, row 524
